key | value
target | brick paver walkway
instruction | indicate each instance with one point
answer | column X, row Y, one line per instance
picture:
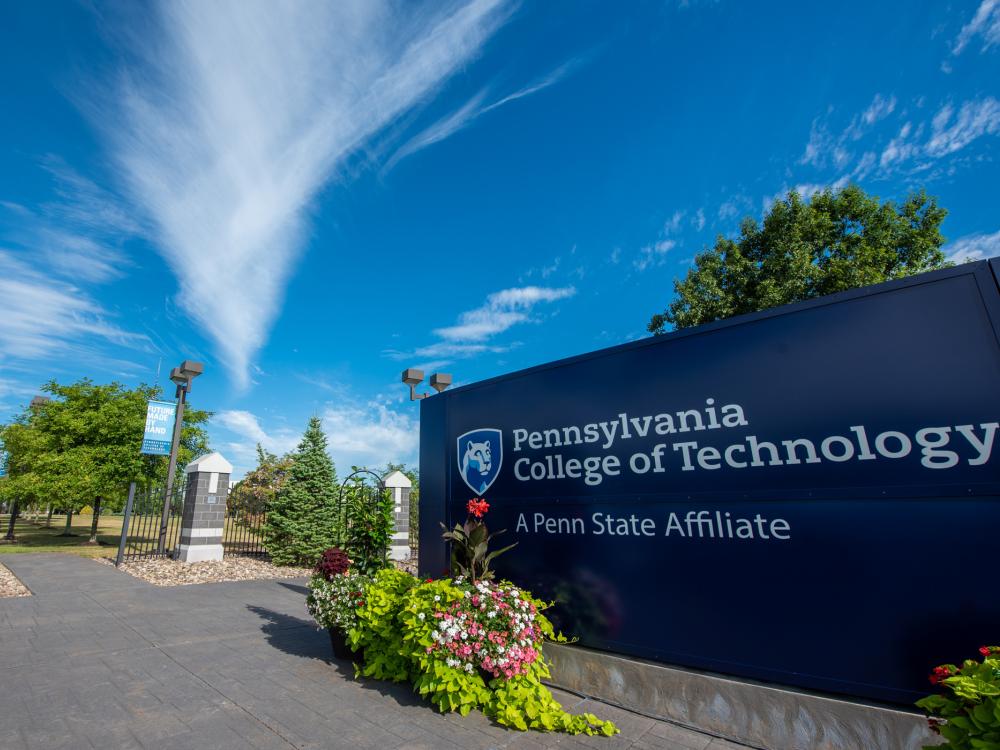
column 99, row 659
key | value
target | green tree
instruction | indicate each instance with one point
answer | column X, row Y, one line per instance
column 82, row 447
column 302, row 522
column 838, row 240
column 255, row 493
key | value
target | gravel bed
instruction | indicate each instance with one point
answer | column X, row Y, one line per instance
column 165, row 572
column 9, row 585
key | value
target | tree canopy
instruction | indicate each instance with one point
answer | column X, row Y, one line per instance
column 257, row 490
column 838, row 240
column 84, row 443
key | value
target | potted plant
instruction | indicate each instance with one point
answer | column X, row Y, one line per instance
column 335, row 593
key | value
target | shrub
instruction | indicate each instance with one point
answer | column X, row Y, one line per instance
column 334, row 562
column 464, row 646
column 967, row 714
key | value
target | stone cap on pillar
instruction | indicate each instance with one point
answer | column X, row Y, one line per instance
column 213, row 463
column 397, row 479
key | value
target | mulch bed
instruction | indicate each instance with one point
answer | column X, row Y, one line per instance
column 9, row 585
column 165, row 572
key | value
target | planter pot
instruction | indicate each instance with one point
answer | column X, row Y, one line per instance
column 341, row 648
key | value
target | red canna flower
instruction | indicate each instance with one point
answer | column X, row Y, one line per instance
column 477, row 507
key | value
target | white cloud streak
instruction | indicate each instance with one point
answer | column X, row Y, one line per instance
column 502, row 310
column 973, row 247
column 242, row 111
column 973, row 120
column 44, row 316
column 471, row 111
column 984, row 23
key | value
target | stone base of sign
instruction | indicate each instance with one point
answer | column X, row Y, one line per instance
column 191, row 553
column 757, row 714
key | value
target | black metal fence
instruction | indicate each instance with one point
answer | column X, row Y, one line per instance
column 144, row 534
column 243, row 534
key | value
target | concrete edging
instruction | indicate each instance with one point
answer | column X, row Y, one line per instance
column 757, row 714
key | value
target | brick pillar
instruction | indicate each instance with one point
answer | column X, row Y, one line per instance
column 204, row 508
column 399, row 485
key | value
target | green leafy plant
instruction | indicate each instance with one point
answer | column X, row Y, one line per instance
column 967, row 713
column 465, row 645
column 369, row 526
column 470, row 555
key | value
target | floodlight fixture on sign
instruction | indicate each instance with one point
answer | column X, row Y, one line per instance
column 413, row 377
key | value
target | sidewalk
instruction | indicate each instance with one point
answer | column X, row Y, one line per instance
column 99, row 659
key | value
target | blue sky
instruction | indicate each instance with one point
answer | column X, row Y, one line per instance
column 310, row 197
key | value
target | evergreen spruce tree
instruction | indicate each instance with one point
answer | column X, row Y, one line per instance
column 302, row 521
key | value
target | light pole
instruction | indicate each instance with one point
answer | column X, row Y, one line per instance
column 182, row 377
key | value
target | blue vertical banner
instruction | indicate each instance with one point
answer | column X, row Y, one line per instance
column 159, row 428
column 4, row 457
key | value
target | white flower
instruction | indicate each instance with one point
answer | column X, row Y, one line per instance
column 465, row 636
column 467, row 594
column 468, row 667
column 443, row 625
column 421, row 616
column 437, row 598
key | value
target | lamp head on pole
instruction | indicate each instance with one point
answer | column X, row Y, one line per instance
column 188, row 371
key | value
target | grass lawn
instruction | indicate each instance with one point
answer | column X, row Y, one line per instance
column 33, row 537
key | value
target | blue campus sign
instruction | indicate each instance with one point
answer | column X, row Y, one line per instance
column 159, row 428
column 804, row 496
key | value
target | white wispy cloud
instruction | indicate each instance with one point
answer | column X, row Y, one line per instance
column 905, row 144
column 44, row 315
column 653, row 254
column 246, row 426
column 371, row 436
column 973, row 247
column 241, row 111
column 471, row 111
column 973, row 120
column 502, row 310
column 985, row 23
column 825, row 148
column 472, row 333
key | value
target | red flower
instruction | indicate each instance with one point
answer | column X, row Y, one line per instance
column 429, row 580
column 477, row 507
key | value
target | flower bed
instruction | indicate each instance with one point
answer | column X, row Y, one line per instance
column 463, row 645
column 465, row 642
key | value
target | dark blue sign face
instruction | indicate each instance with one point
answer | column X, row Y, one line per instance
column 805, row 496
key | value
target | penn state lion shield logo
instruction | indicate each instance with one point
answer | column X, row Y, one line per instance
column 480, row 455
